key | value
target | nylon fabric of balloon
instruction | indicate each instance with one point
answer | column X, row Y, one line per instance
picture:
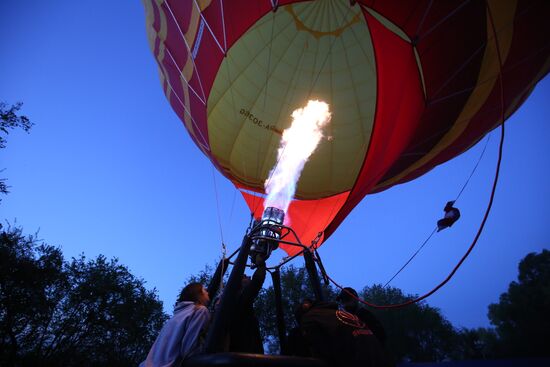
column 411, row 84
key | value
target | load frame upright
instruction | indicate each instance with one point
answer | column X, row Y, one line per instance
column 230, row 296
column 228, row 301
column 313, row 275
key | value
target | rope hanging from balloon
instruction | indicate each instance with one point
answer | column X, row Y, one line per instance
column 446, row 280
column 435, row 229
column 411, row 258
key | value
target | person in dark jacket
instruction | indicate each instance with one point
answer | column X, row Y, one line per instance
column 341, row 338
column 296, row 343
column 244, row 331
column 350, row 304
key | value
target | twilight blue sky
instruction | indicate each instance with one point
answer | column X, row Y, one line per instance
column 109, row 169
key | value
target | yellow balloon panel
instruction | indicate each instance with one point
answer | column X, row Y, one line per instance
column 313, row 50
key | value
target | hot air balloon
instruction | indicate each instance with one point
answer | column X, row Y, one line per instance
column 411, row 85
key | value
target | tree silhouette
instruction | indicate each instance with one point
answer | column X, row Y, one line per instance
column 417, row 332
column 521, row 317
column 476, row 343
column 9, row 120
column 66, row 313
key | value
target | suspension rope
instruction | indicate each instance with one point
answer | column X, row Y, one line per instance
column 474, row 242
column 203, row 19
column 217, row 204
column 269, row 57
column 435, row 229
column 223, row 27
column 421, row 23
column 412, row 257
column 444, row 19
column 186, row 45
column 224, row 248
column 475, row 167
column 183, row 76
column 232, row 206
column 204, row 144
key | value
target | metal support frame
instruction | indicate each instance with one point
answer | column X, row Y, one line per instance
column 216, row 280
column 313, row 275
column 281, row 328
column 228, row 302
column 321, row 268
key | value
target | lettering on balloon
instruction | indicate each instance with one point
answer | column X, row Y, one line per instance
column 258, row 121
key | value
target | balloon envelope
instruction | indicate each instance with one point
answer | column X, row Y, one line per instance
column 410, row 84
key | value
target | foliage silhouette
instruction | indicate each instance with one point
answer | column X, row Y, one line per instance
column 9, row 120
column 86, row 312
column 521, row 316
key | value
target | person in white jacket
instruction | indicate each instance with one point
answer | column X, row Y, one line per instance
column 180, row 336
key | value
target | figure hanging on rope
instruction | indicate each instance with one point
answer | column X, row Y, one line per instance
column 451, row 216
